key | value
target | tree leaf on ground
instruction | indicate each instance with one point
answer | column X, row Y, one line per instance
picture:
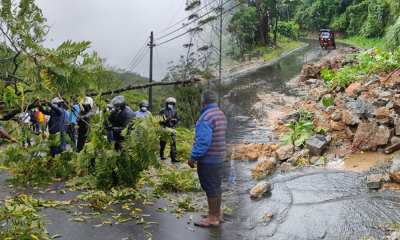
column 56, row 236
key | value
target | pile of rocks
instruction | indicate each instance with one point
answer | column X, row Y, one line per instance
column 312, row 72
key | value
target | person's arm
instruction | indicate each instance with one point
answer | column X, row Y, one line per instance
column 5, row 134
column 127, row 118
column 175, row 118
column 202, row 140
column 90, row 114
column 55, row 108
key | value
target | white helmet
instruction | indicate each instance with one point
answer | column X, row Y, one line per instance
column 56, row 100
column 88, row 101
column 170, row 100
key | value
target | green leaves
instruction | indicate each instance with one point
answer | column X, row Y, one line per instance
column 285, row 139
column 301, row 132
column 327, row 102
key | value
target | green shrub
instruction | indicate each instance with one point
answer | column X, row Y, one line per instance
column 289, row 30
column 378, row 14
column 393, row 36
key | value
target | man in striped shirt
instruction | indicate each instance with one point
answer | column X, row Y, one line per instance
column 209, row 152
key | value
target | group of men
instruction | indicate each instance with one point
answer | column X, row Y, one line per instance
column 208, row 151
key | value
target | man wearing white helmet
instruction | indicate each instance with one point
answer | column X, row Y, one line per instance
column 171, row 119
column 58, row 122
column 85, row 114
column 143, row 110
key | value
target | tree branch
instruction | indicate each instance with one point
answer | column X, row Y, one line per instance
column 132, row 87
column 14, row 112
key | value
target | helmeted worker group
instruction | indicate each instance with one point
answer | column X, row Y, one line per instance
column 209, row 147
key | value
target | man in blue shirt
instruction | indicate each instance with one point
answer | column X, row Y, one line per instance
column 143, row 111
column 72, row 121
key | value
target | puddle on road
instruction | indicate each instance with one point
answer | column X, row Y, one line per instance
column 358, row 162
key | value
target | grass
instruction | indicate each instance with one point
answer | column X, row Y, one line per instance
column 365, row 43
column 271, row 53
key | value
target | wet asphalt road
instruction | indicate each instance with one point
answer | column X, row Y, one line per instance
column 306, row 203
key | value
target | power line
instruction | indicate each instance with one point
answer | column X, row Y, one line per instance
column 180, row 35
column 123, row 77
column 171, row 49
column 159, row 61
column 174, row 17
column 184, row 18
column 195, row 20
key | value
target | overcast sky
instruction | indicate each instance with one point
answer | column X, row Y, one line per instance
column 117, row 28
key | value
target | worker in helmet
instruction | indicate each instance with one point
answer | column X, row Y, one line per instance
column 120, row 118
column 143, row 110
column 171, row 119
column 58, row 123
column 83, row 120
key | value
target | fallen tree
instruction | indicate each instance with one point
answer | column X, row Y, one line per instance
column 10, row 114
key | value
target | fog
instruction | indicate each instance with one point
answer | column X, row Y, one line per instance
column 118, row 29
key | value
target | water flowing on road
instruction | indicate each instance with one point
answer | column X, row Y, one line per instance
column 306, row 203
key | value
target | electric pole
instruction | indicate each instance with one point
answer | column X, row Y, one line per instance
column 151, row 44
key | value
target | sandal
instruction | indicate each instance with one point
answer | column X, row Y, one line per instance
column 199, row 224
column 206, row 216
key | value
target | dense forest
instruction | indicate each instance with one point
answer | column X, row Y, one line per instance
column 369, row 19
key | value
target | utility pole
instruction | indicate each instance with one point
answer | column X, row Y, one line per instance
column 151, row 44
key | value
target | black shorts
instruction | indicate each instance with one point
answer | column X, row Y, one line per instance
column 210, row 176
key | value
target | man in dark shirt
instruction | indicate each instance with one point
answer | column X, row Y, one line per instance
column 58, row 122
column 83, row 120
column 171, row 119
column 120, row 118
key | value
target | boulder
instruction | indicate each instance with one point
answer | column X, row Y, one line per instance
column 396, row 122
column 329, row 110
column 259, row 190
column 273, row 147
column 380, row 136
column 395, row 140
column 372, row 80
column 359, row 90
column 284, row 152
column 336, row 116
column 294, row 116
column 297, row 156
column 385, row 96
column 317, row 144
column 256, row 53
column 311, row 81
column 382, row 112
column 393, row 236
column 246, row 57
column 286, row 166
column 352, row 87
column 350, row 118
column 395, row 168
column 313, row 159
column 337, row 126
column 252, row 156
column 374, row 181
column 262, row 169
column 375, row 136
